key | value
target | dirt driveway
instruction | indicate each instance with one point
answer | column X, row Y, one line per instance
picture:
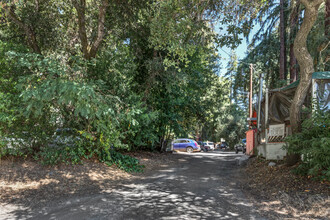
column 195, row 186
column 173, row 186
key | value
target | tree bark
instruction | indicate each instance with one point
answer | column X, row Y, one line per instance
column 80, row 8
column 294, row 18
column 90, row 51
column 100, row 29
column 28, row 30
column 282, row 42
column 293, row 65
column 305, row 61
column 327, row 19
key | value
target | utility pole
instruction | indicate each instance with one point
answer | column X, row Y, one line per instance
column 251, row 91
column 266, row 114
column 259, row 101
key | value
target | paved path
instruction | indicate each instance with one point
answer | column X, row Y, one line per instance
column 197, row 186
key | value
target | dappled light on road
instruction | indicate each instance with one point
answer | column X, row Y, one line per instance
column 210, row 154
column 196, row 186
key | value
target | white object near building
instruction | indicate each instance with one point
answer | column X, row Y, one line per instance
column 277, row 130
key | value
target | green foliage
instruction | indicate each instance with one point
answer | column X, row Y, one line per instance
column 318, row 42
column 14, row 147
column 154, row 78
column 124, row 162
column 313, row 144
column 231, row 125
column 72, row 150
column 51, row 95
column 72, row 153
column 265, row 58
column 8, row 93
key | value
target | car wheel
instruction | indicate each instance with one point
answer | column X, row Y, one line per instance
column 236, row 151
column 190, row 149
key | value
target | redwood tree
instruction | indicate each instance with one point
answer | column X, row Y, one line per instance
column 294, row 17
column 305, row 61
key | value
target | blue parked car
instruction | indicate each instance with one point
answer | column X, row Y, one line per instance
column 184, row 144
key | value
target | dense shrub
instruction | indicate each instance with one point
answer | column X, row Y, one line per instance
column 313, row 144
column 47, row 96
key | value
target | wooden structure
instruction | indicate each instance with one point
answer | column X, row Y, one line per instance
column 274, row 114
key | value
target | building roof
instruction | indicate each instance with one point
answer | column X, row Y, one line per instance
column 321, row 75
column 316, row 75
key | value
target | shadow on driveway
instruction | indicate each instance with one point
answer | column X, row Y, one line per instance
column 196, row 186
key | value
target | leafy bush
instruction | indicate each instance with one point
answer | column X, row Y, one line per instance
column 69, row 153
column 124, row 162
column 63, row 154
column 50, row 95
column 73, row 149
column 313, row 144
column 14, row 147
column 231, row 125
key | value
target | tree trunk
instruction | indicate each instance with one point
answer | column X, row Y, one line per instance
column 80, row 8
column 28, row 30
column 100, row 29
column 293, row 65
column 282, row 43
column 305, row 61
column 294, row 18
column 327, row 20
column 90, row 51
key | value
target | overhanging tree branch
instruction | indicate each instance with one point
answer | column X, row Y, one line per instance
column 90, row 51
column 28, row 30
column 100, row 29
column 80, row 6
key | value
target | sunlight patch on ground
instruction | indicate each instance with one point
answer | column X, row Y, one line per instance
column 29, row 185
column 209, row 154
column 243, row 204
column 233, row 214
column 7, row 210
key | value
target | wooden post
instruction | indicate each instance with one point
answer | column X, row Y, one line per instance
column 251, row 91
column 266, row 114
column 259, row 102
